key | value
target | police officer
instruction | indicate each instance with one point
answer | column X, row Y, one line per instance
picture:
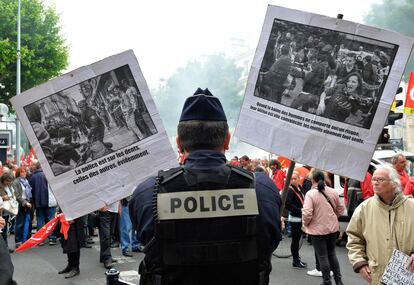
column 206, row 222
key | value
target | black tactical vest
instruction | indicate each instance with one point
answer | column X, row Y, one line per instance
column 202, row 229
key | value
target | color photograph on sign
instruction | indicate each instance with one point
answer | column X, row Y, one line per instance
column 320, row 89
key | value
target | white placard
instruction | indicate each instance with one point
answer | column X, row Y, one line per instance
column 396, row 272
column 304, row 100
column 96, row 132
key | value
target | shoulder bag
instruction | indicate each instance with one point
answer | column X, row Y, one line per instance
column 11, row 206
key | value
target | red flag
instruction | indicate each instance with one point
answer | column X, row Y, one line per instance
column 64, row 226
column 284, row 162
column 409, row 99
column 44, row 232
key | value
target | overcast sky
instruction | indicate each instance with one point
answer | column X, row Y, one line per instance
column 167, row 34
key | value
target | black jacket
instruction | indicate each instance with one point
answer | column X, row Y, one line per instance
column 293, row 203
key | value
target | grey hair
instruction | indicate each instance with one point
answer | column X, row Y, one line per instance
column 35, row 163
column 392, row 173
column 6, row 176
column 395, row 157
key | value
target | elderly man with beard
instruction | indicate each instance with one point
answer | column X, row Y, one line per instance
column 379, row 225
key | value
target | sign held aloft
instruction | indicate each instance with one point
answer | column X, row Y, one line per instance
column 96, row 132
column 320, row 89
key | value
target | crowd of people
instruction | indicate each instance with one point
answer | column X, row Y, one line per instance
column 390, row 207
column 323, row 72
column 37, row 206
column 230, row 240
column 307, row 213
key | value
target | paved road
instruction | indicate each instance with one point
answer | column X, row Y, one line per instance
column 41, row 264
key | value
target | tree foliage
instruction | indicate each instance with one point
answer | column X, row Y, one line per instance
column 216, row 72
column 43, row 50
column 395, row 15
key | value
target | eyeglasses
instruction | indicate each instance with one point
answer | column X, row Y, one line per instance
column 379, row 179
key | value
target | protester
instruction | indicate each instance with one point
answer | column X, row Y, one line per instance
column 244, row 161
column 278, row 175
column 6, row 193
column 294, row 203
column 107, row 216
column 6, row 265
column 409, row 188
column 379, row 225
column 71, row 246
column 399, row 162
column 355, row 192
column 128, row 234
column 320, row 217
column 218, row 248
column 40, row 194
column 23, row 192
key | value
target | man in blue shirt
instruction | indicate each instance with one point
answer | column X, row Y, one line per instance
column 206, row 222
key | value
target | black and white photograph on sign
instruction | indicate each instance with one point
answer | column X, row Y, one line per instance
column 96, row 133
column 320, row 89
column 90, row 120
column 332, row 74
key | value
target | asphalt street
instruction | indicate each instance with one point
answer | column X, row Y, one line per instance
column 41, row 264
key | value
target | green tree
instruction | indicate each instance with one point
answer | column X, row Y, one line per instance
column 44, row 53
column 395, row 15
column 217, row 72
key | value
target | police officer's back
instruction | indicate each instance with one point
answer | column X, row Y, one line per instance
column 206, row 222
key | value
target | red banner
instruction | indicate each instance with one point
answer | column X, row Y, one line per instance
column 45, row 231
column 409, row 99
column 285, row 162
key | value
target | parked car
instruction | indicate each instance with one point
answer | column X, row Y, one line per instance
column 380, row 157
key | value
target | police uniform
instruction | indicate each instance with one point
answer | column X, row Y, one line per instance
column 206, row 222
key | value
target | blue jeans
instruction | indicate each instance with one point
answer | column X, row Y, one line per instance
column 128, row 235
column 18, row 230
column 44, row 215
column 51, row 216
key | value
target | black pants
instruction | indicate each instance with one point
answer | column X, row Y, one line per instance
column 5, row 229
column 6, row 265
column 296, row 236
column 106, row 223
column 73, row 259
column 324, row 246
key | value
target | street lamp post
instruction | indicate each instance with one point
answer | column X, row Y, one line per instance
column 18, row 138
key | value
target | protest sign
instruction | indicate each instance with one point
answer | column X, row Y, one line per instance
column 96, row 132
column 396, row 272
column 320, row 89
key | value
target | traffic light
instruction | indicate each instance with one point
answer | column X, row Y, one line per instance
column 392, row 116
column 384, row 138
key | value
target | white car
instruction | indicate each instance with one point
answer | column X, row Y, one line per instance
column 384, row 157
column 380, row 157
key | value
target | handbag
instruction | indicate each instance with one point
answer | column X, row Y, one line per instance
column 11, row 206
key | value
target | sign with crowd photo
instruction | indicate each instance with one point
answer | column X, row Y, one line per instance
column 96, row 132
column 396, row 272
column 320, row 89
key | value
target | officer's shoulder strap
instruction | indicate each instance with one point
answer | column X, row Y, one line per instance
column 242, row 172
column 167, row 175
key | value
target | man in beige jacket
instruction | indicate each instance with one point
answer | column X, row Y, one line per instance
column 379, row 225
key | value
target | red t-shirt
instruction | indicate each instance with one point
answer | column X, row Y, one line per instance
column 279, row 179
